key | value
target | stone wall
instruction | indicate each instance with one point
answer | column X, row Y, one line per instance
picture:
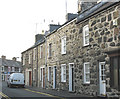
column 103, row 35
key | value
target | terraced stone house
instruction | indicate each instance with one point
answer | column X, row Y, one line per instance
column 82, row 55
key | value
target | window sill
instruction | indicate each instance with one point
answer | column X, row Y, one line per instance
column 85, row 46
column 86, row 83
column 63, row 81
column 49, row 57
column 63, row 53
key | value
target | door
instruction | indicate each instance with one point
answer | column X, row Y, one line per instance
column 30, row 80
column 71, row 72
column 43, row 77
column 102, row 82
column 54, row 77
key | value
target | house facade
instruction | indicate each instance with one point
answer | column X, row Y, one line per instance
column 9, row 66
column 82, row 55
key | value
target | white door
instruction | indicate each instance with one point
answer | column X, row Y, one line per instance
column 71, row 69
column 54, row 77
column 102, row 78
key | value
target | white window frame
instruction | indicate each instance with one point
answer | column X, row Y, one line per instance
column 85, row 28
column 29, row 58
column 40, row 74
column 13, row 69
column 63, row 73
column 3, row 69
column 19, row 69
column 34, row 53
column 86, row 73
column 50, row 50
column 63, row 45
column 49, row 73
column 41, row 49
column 23, row 59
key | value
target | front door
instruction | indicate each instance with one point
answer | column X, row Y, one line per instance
column 102, row 82
column 43, row 81
column 54, row 77
column 30, row 78
column 71, row 71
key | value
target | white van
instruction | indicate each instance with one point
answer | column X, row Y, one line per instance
column 16, row 79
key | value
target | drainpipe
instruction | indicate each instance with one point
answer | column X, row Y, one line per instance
column 37, row 68
column 45, row 61
column 32, row 67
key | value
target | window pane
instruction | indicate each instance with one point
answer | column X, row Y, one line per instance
column 87, row 77
column 87, row 68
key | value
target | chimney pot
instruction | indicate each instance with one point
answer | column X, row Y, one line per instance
column 3, row 57
column 14, row 58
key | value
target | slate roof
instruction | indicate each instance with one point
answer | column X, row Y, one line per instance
column 96, row 9
column 11, row 63
column 36, row 44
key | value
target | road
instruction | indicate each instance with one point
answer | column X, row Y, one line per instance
column 15, row 92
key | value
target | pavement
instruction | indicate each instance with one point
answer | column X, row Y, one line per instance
column 57, row 93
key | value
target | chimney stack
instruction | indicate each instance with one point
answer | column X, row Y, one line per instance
column 85, row 4
column 14, row 59
column 3, row 57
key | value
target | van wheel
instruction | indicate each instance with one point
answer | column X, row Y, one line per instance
column 10, row 86
column 23, row 86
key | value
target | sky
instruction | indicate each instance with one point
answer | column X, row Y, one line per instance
column 18, row 19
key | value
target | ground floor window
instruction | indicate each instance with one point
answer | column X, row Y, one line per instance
column 2, row 77
column 115, row 72
column 86, row 73
column 63, row 73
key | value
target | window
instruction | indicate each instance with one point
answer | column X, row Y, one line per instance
column 63, row 45
column 86, row 35
column 13, row 69
column 3, row 68
column 86, row 73
column 63, row 73
column 29, row 58
column 16, row 69
column 19, row 69
column 2, row 77
column 49, row 73
column 50, row 50
column 41, row 51
column 34, row 53
column 40, row 74
column 9, row 69
column 23, row 59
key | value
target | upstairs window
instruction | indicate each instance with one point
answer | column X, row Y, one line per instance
column 29, row 58
column 63, row 45
column 86, row 73
column 86, row 35
column 34, row 53
column 23, row 59
column 63, row 73
column 41, row 51
column 50, row 50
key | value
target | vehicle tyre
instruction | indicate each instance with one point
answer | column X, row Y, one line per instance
column 23, row 86
column 7, row 85
column 10, row 86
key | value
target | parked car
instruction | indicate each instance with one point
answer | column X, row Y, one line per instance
column 16, row 79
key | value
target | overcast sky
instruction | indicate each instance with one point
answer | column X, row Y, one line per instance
column 18, row 20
